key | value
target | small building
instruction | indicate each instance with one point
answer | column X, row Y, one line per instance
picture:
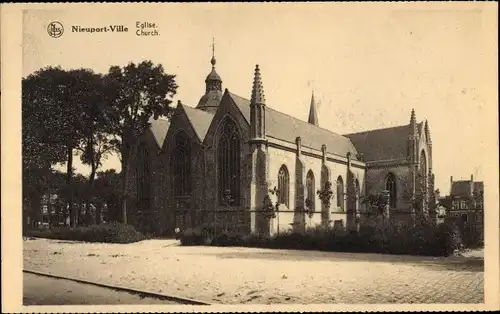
column 466, row 200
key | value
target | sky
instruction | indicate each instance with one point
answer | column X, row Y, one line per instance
column 368, row 64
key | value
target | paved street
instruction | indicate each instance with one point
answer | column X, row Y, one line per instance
column 236, row 275
column 40, row 290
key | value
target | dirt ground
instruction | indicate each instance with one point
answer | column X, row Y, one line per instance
column 263, row 276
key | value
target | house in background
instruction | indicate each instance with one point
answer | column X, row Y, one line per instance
column 465, row 204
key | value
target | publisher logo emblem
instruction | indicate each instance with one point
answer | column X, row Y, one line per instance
column 55, row 29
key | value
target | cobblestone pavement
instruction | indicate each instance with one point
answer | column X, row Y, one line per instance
column 263, row 276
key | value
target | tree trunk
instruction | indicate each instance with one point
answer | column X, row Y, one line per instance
column 49, row 209
column 93, row 171
column 69, row 176
column 124, row 177
column 98, row 213
column 57, row 213
column 36, row 209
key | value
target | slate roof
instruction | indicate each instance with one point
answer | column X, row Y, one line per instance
column 210, row 100
column 200, row 120
column 463, row 187
column 287, row 128
column 383, row 144
column 243, row 104
column 213, row 76
column 159, row 129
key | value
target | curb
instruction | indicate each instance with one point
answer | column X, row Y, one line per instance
column 143, row 293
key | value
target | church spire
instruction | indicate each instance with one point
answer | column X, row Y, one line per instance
column 313, row 116
column 257, row 109
column 413, row 119
column 213, row 81
column 213, row 88
column 257, row 89
column 427, row 132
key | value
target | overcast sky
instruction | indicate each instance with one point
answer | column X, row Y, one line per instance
column 369, row 65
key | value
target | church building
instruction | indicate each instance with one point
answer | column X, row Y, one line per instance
column 221, row 161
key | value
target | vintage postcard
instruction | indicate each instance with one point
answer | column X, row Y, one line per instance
column 217, row 157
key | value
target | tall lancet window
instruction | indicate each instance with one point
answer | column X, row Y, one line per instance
column 284, row 186
column 228, row 162
column 390, row 185
column 310, row 189
column 357, row 195
column 423, row 172
column 181, row 165
column 143, row 178
column 340, row 193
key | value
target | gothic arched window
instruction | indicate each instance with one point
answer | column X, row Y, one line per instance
column 340, row 193
column 357, row 191
column 423, row 171
column 310, row 189
column 228, row 151
column 390, row 185
column 181, row 165
column 284, row 186
column 143, row 178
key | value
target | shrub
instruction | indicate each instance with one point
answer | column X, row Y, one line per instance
column 376, row 236
column 210, row 234
column 191, row 236
column 106, row 233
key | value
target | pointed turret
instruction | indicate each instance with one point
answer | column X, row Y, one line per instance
column 413, row 137
column 258, row 96
column 213, row 80
column 257, row 108
column 427, row 133
column 313, row 116
column 413, row 119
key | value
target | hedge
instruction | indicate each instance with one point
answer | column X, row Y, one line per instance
column 106, row 233
column 378, row 237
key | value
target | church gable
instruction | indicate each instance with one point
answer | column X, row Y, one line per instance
column 229, row 108
column 158, row 129
column 200, row 121
column 180, row 122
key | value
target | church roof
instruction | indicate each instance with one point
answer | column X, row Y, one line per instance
column 200, row 120
column 159, row 128
column 287, row 128
column 382, row 144
column 213, row 76
column 210, row 101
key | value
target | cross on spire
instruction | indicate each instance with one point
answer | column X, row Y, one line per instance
column 213, row 61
